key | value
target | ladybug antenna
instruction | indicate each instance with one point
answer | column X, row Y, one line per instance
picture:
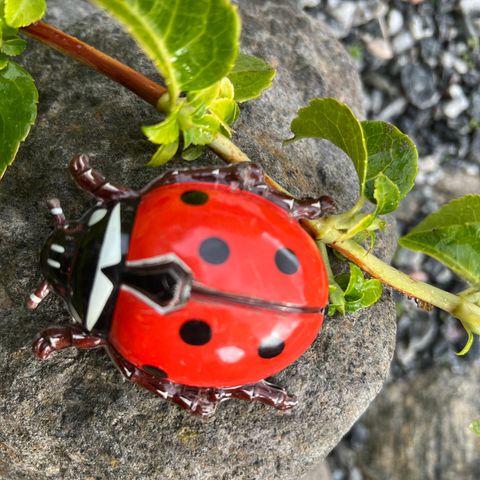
column 38, row 296
column 56, row 211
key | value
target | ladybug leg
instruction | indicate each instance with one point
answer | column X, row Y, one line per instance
column 200, row 401
column 93, row 182
column 38, row 295
column 56, row 211
column 264, row 392
column 57, row 338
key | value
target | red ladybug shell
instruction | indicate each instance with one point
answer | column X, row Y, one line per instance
column 234, row 242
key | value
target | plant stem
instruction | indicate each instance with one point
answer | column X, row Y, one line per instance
column 99, row 61
column 459, row 307
column 227, row 150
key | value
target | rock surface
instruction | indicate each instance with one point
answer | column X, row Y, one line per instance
column 73, row 417
column 418, row 428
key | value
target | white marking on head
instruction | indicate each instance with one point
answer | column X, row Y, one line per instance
column 53, row 263
column 110, row 255
column 57, row 248
column 56, row 211
column 97, row 215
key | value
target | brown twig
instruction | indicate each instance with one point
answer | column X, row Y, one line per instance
column 99, row 61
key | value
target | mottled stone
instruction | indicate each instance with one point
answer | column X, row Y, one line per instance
column 418, row 428
column 73, row 417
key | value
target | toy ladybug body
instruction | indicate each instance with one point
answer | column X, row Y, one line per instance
column 199, row 287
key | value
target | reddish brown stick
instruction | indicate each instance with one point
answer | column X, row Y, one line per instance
column 99, row 61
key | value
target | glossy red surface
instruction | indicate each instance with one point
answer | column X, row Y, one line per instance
column 239, row 337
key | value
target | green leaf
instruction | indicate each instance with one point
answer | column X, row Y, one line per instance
column 331, row 120
column 225, row 110
column 475, row 427
column 392, row 154
column 452, row 236
column 336, row 300
column 14, row 46
column 18, row 111
column 202, row 132
column 3, row 61
column 387, row 195
column 192, row 153
column 20, row 13
column 250, row 76
column 193, row 43
column 352, row 292
column 371, row 292
column 201, row 98
column 468, row 345
column 167, row 131
column 163, row 154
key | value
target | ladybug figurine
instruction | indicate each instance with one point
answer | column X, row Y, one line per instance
column 199, row 287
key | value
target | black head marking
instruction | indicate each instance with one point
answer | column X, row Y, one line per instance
column 214, row 250
column 271, row 347
column 286, row 261
column 194, row 197
column 196, row 332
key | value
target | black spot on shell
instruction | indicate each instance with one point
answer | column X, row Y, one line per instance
column 271, row 347
column 194, row 197
column 196, row 332
column 214, row 250
column 286, row 261
column 158, row 372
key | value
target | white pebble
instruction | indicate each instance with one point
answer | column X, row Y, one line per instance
column 458, row 104
column 395, row 22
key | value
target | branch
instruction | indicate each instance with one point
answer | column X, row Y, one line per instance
column 458, row 306
column 99, row 61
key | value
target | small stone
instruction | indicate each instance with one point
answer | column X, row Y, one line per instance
column 470, row 6
column 402, row 42
column 449, row 61
column 344, row 14
column 475, row 147
column 395, row 22
column 308, row 3
column 374, row 102
column 421, row 27
column 458, row 104
column 420, row 85
column 475, row 99
column 381, row 48
column 408, row 259
column 430, row 49
column 392, row 110
column 368, row 10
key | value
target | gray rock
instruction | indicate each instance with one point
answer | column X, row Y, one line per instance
column 420, row 85
column 73, row 417
column 419, row 428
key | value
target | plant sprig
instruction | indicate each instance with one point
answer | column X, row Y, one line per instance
column 206, row 78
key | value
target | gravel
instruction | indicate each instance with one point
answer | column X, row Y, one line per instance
column 429, row 88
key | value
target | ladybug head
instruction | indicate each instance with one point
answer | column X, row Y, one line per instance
column 57, row 256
